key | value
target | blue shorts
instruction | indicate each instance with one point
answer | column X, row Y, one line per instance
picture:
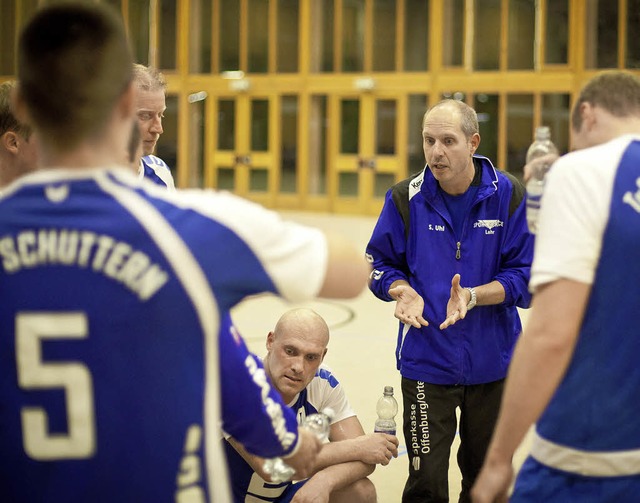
column 290, row 492
column 537, row 482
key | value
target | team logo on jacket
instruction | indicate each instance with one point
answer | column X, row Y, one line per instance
column 376, row 274
column 489, row 225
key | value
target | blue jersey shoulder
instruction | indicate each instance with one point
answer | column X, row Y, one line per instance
column 156, row 170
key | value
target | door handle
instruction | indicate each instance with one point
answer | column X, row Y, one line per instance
column 243, row 159
column 366, row 163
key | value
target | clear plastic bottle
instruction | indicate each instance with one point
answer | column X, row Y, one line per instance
column 320, row 424
column 386, row 408
column 541, row 146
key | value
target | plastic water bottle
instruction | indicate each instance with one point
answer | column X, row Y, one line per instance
column 542, row 145
column 320, row 424
column 386, row 408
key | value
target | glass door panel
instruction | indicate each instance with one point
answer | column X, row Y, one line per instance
column 633, row 40
column 487, row 106
column 258, row 54
column 139, row 30
column 318, row 146
column 259, row 125
column 453, row 43
column 289, row 145
column 555, row 114
column 368, row 154
column 287, row 35
column 264, row 132
column 520, row 127
column 200, row 36
column 557, row 33
column 228, row 40
column 601, row 46
column 417, row 107
column 386, row 134
column 416, row 35
column 322, row 52
column 227, row 156
column 348, row 160
column 384, row 41
column 226, row 120
column 167, row 19
column 521, row 32
column 353, row 23
column 196, row 141
column 487, row 35
column 385, row 125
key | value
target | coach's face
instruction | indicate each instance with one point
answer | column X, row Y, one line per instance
column 293, row 358
column 448, row 152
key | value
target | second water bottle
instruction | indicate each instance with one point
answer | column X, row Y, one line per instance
column 386, row 408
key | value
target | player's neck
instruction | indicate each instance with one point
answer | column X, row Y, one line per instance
column 85, row 155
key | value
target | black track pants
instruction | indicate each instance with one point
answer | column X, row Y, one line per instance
column 430, row 425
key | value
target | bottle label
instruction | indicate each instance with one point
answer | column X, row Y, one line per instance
column 533, row 208
column 388, row 432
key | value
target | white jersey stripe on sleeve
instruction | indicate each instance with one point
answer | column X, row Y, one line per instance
column 284, row 248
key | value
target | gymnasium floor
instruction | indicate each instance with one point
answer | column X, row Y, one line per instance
column 361, row 350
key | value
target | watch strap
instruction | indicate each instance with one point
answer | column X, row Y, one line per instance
column 473, row 299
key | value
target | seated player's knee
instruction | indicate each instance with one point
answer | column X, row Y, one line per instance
column 361, row 491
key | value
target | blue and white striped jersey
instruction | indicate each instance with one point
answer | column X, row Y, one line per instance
column 249, row 404
column 156, row 170
column 111, row 291
column 589, row 232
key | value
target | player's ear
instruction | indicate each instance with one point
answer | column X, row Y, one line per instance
column 475, row 142
column 9, row 141
column 324, row 353
column 589, row 117
column 270, row 338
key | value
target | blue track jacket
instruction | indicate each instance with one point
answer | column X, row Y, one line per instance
column 494, row 245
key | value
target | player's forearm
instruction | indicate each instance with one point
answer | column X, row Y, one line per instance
column 489, row 294
column 396, row 283
column 540, row 360
column 255, row 462
column 534, row 375
column 347, row 271
column 334, row 453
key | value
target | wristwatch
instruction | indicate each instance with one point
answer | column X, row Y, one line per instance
column 472, row 300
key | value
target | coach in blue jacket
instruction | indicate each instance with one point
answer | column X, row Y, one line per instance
column 452, row 248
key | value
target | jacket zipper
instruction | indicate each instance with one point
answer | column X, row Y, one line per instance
column 458, row 250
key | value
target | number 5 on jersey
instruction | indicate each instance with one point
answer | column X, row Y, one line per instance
column 73, row 377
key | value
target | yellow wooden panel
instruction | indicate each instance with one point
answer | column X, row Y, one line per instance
column 338, row 85
column 346, row 163
column 223, row 158
column 387, row 164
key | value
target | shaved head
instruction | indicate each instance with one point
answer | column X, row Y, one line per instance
column 302, row 320
column 295, row 350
